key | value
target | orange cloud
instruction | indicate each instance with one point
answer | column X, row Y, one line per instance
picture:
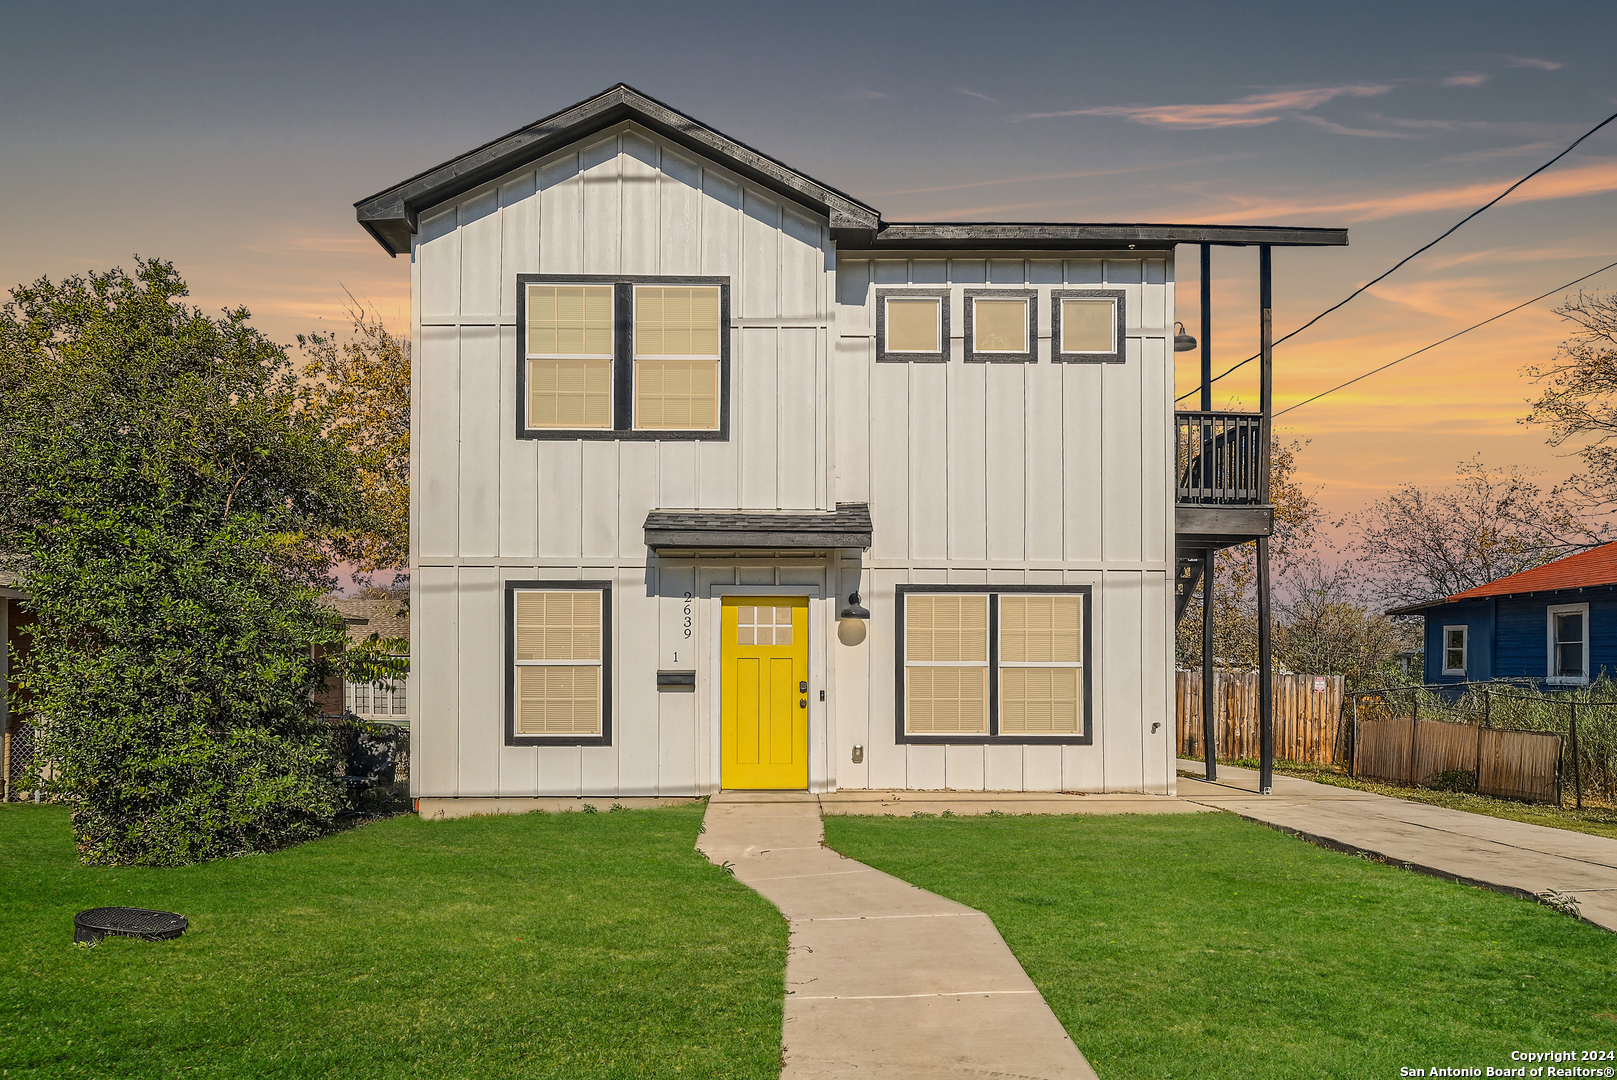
column 1252, row 111
column 1592, row 178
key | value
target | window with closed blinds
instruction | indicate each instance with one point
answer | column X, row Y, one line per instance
column 1001, row 665
column 946, row 664
column 676, row 357
column 1040, row 664
column 569, row 356
column 557, row 647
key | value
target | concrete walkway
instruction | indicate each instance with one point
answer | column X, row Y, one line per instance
column 884, row 981
column 1510, row 856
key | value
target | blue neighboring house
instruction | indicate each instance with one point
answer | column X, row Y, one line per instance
column 1556, row 624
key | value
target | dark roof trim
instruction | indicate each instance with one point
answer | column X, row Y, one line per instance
column 990, row 235
column 390, row 216
column 848, row 527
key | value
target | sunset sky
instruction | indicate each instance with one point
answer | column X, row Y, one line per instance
column 234, row 141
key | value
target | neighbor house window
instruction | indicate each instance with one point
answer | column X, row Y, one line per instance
column 1086, row 325
column 379, row 700
column 620, row 358
column 557, row 645
column 980, row 665
column 1569, row 643
column 1001, row 325
column 912, row 325
column 1454, row 650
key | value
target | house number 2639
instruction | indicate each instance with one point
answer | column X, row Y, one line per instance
column 687, row 615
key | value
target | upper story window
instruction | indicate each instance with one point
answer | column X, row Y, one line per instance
column 1086, row 325
column 1001, row 325
column 622, row 358
column 1569, row 643
column 912, row 325
column 1454, row 650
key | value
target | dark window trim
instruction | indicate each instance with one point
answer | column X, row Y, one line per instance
column 623, row 429
column 1115, row 357
column 882, row 356
column 969, row 319
column 994, row 592
column 511, row 737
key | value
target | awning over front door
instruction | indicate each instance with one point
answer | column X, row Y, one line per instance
column 847, row 527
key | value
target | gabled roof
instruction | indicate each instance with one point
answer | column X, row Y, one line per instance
column 1587, row 569
column 391, row 215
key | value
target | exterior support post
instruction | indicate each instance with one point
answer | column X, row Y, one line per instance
column 1266, row 695
column 1207, row 331
column 1209, row 726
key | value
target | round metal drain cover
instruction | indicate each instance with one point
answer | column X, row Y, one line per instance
column 93, row 925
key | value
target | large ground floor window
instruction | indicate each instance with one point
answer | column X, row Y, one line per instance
column 558, row 671
column 993, row 664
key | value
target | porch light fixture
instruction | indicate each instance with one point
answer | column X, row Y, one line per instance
column 851, row 621
column 1182, row 342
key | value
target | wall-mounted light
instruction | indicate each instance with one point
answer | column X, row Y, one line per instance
column 1182, row 342
column 851, row 621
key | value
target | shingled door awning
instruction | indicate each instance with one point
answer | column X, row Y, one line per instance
column 847, row 527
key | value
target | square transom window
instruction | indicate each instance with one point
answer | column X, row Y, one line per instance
column 1086, row 325
column 912, row 325
column 1001, row 325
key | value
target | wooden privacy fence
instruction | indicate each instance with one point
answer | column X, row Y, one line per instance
column 1307, row 722
column 1509, row 764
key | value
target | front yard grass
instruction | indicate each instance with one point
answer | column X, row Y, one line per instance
column 1208, row 946
column 543, row 945
column 1596, row 818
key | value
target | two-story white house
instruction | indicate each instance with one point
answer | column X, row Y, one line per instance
column 721, row 481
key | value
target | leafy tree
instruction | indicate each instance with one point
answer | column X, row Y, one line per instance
column 1235, row 591
column 1579, row 401
column 1325, row 625
column 166, row 494
column 363, row 386
column 1425, row 543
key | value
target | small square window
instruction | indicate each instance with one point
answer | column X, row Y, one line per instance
column 912, row 325
column 1086, row 326
column 1001, row 325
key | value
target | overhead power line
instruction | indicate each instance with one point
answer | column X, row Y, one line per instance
column 1451, row 337
column 1418, row 251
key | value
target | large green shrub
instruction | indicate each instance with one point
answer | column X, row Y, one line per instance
column 164, row 496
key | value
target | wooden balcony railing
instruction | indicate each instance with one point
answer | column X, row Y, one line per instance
column 1219, row 458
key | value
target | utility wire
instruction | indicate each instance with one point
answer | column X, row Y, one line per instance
column 1451, row 337
column 1451, row 231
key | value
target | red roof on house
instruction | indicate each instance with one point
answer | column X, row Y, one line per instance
column 1597, row 566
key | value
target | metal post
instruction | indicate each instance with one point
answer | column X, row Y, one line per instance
column 1577, row 766
column 1209, row 727
column 1207, row 328
column 1353, row 762
column 1266, row 720
column 1487, row 722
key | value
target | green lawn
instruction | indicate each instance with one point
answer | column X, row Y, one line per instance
column 1207, row 946
column 566, row 945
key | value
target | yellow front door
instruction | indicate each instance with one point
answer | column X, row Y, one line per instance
column 763, row 728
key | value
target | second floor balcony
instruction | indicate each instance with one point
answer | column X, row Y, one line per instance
column 1218, row 464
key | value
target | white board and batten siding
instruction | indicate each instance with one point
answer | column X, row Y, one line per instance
column 980, row 473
